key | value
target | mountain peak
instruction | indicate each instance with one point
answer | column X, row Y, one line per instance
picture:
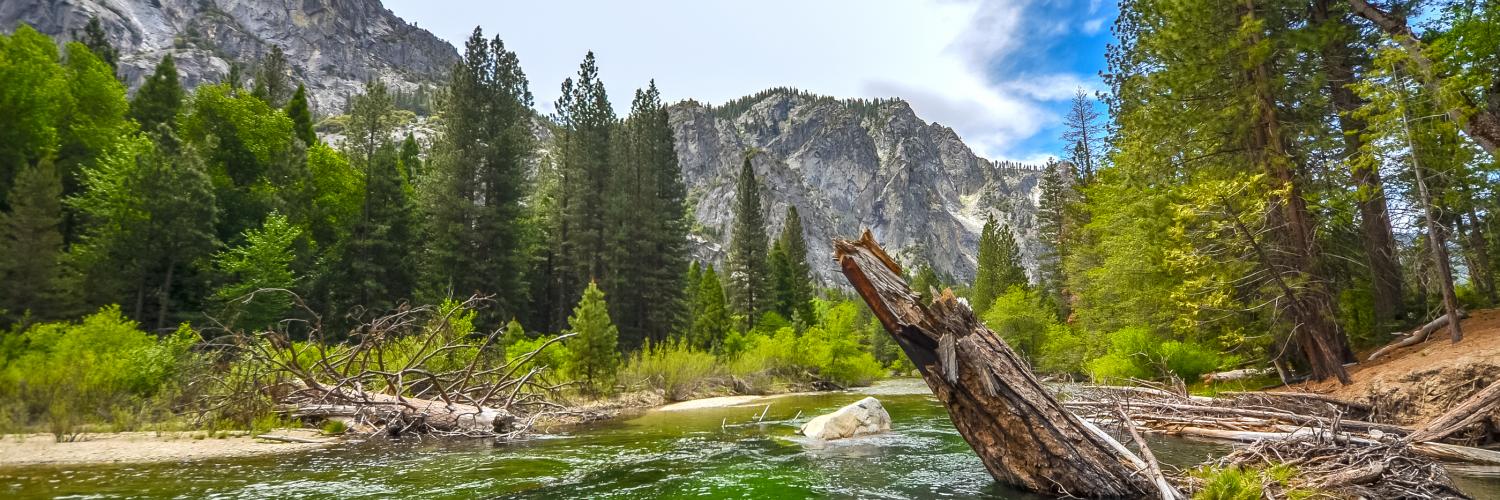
column 332, row 46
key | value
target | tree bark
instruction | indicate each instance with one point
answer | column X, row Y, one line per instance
column 1374, row 215
column 1023, row 435
column 1480, row 124
column 1311, row 306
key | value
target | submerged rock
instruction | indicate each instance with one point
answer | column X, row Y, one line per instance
column 865, row 416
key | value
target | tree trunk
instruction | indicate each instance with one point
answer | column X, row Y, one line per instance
column 1374, row 216
column 166, row 295
column 1311, row 307
column 1436, row 239
column 1023, row 435
column 1481, row 125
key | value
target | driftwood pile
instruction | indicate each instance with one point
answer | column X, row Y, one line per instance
column 1029, row 439
column 400, row 374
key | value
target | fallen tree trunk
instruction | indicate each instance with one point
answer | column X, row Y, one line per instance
column 1240, row 374
column 1023, row 435
column 1467, row 413
column 399, row 415
column 1417, row 336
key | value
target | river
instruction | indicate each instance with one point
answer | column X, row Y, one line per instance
column 658, row 454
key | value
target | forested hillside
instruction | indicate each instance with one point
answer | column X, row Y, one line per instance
column 1279, row 182
column 221, row 215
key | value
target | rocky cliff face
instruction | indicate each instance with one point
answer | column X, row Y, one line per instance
column 333, row 46
column 847, row 166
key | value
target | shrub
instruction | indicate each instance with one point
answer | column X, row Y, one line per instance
column 673, row 367
column 1136, row 352
column 335, row 427
column 1030, row 326
column 102, row 366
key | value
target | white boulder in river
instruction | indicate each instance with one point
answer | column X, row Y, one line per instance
column 865, row 416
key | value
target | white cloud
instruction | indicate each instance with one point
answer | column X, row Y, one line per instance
column 1092, row 26
column 940, row 55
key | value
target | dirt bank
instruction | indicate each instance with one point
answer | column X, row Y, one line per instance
column 138, row 447
column 1419, row 382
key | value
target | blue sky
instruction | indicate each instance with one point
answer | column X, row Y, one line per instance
column 1000, row 72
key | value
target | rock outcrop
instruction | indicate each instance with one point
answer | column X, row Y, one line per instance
column 333, row 46
column 865, row 416
column 850, row 165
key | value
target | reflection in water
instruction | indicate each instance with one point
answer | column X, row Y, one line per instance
column 658, row 454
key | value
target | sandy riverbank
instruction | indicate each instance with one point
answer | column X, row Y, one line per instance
column 139, row 447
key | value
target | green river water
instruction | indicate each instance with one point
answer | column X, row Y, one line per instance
column 678, row 454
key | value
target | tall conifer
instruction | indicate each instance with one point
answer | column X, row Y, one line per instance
column 749, row 287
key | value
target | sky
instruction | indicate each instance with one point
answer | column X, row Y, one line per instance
column 1000, row 72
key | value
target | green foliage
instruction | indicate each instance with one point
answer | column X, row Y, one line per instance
column 711, row 322
column 262, row 261
column 31, row 249
column 749, row 274
column 251, row 153
column 158, row 100
column 301, row 115
column 70, row 373
column 97, row 41
column 1138, row 353
column 335, row 427
column 33, row 97
column 791, row 276
column 596, row 358
column 471, row 189
column 673, row 367
column 1248, row 483
column 999, row 265
column 831, row 350
column 149, row 212
column 1025, row 321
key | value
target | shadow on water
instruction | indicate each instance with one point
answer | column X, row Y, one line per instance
column 658, row 454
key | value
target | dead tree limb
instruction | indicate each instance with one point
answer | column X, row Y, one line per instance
column 1471, row 411
column 1417, row 336
column 1023, row 435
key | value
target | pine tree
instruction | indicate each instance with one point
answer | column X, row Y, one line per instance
column 263, row 261
column 272, row 79
column 647, row 231
column 584, row 142
column 377, row 268
column 1052, row 217
column 97, row 41
column 159, row 99
column 301, row 114
column 411, row 158
column 1084, row 135
column 473, row 184
column 999, row 265
column 596, row 357
column 749, row 287
column 31, row 249
column 798, row 301
column 690, row 296
column 925, row 282
column 710, row 314
column 149, row 209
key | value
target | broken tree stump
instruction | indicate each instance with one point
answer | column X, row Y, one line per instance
column 1023, row 436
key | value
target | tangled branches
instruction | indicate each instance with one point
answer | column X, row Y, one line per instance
column 415, row 370
column 1351, row 470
